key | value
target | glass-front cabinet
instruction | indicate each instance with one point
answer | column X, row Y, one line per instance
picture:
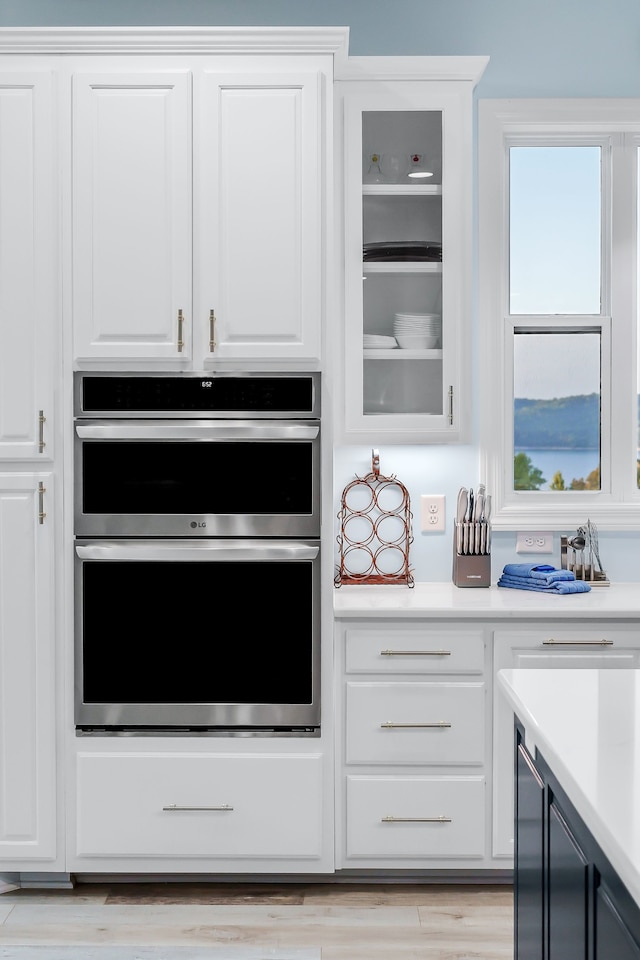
column 407, row 141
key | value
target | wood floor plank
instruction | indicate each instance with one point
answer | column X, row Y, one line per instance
column 408, row 894
column 230, row 893
column 200, row 914
column 329, row 921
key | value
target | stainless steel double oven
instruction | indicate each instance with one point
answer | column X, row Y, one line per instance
column 197, row 553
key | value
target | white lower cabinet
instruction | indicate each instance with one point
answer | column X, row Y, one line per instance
column 210, row 811
column 415, row 817
column 412, row 705
column 408, row 722
column 596, row 646
column 27, row 673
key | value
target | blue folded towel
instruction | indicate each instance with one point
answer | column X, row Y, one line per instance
column 537, row 571
column 554, row 586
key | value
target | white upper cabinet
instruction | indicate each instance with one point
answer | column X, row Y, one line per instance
column 197, row 218
column 407, row 142
column 258, row 216
column 131, row 214
column 29, row 307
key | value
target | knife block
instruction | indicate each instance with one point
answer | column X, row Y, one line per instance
column 471, row 570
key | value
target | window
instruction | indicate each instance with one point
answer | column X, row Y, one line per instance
column 559, row 255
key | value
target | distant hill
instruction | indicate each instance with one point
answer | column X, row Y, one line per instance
column 563, row 423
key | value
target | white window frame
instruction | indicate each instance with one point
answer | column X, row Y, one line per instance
column 612, row 124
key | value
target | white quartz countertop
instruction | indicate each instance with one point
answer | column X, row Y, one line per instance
column 618, row 601
column 586, row 725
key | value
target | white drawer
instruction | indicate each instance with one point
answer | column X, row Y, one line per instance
column 421, row 722
column 599, row 648
column 199, row 805
column 413, row 649
column 415, row 817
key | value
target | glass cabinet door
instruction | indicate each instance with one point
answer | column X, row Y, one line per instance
column 402, row 334
column 407, row 221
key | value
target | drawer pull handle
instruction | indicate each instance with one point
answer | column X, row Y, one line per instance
column 180, row 343
column 415, row 653
column 440, row 819
column 175, row 806
column 577, row 643
column 41, row 492
column 212, row 331
column 41, row 422
column 390, row 725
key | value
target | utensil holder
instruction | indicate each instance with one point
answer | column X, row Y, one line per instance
column 471, row 570
column 581, row 571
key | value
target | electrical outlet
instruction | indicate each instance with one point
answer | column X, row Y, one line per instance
column 432, row 518
column 534, row 543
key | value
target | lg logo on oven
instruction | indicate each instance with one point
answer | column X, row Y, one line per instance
column 195, row 524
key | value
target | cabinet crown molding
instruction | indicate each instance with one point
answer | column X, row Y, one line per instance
column 412, row 68
column 178, row 40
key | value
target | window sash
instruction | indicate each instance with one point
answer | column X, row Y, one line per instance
column 614, row 126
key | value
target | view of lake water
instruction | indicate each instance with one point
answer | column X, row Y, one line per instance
column 572, row 464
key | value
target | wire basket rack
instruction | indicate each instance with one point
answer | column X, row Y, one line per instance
column 375, row 530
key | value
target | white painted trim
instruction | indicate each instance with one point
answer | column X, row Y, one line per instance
column 412, row 68
column 175, row 40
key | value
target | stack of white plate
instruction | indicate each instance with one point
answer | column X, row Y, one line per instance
column 374, row 341
column 418, row 331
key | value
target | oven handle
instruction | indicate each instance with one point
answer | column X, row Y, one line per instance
column 198, row 550
column 198, row 430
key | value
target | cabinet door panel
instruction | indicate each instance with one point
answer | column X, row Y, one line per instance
column 131, row 214
column 567, row 892
column 27, row 265
column 613, row 939
column 258, row 216
column 27, row 672
column 529, row 879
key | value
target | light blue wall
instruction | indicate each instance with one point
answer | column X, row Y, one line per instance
column 547, row 48
column 583, row 48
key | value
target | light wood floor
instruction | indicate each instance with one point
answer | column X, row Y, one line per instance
column 346, row 921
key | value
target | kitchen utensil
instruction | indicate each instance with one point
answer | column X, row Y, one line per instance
column 461, row 512
column 478, row 510
column 578, row 543
column 469, row 524
column 593, row 539
column 487, row 521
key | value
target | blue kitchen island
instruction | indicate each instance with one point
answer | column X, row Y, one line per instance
column 577, row 813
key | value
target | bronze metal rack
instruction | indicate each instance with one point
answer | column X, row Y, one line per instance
column 375, row 530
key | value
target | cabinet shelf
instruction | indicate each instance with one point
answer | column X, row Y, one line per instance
column 401, row 190
column 402, row 266
column 396, row 353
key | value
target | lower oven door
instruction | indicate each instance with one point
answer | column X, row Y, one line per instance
column 218, row 635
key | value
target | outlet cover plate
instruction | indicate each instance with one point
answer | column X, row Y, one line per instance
column 534, row 542
column 432, row 516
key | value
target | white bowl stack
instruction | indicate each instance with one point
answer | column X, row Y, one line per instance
column 418, row 331
column 372, row 341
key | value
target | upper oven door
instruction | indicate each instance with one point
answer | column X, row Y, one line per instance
column 209, row 478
